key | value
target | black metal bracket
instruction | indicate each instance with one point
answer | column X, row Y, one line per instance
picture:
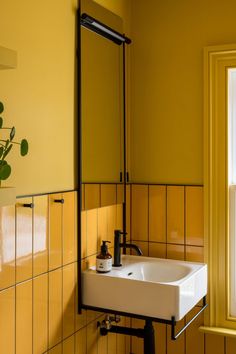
column 147, row 333
column 28, row 205
column 62, row 201
column 174, row 335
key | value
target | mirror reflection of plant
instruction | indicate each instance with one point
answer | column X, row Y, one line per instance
column 6, row 146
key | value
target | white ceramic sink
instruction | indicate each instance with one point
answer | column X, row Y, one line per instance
column 152, row 287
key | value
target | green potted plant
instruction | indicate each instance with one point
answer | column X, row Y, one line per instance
column 7, row 194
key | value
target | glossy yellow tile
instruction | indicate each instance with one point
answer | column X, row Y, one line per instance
column 68, row 345
column 128, row 338
column 139, row 216
column 84, row 234
column 194, row 338
column 175, row 214
column 194, row 254
column 24, row 239
column 194, row 216
column 80, row 342
column 69, row 251
column 55, row 307
column 40, row 235
column 214, row 344
column 40, row 314
column 121, row 339
column 89, row 262
column 7, row 242
column 92, row 338
column 143, row 246
column 92, row 196
column 157, row 213
column 177, row 346
column 157, row 249
column 102, row 226
column 108, row 194
column 119, row 193
column 92, row 315
column 103, row 344
column 55, row 231
column 112, row 343
column 83, row 198
column 77, row 226
column 119, row 217
column 128, row 211
column 137, row 343
column 92, row 231
column 230, row 345
column 80, row 320
column 7, row 321
column 160, row 337
column 175, row 252
column 68, row 300
column 56, row 350
column 111, row 223
column 24, row 318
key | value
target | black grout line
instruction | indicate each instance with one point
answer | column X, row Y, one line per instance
column 166, row 220
column 185, row 240
column 166, row 184
column 148, row 216
column 62, row 299
column 32, row 270
column 169, row 243
column 15, row 281
column 38, row 275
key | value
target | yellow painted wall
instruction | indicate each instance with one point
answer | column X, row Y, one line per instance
column 167, row 84
column 119, row 7
column 39, row 94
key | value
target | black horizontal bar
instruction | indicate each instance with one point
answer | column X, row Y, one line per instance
column 103, row 30
column 126, row 314
column 173, row 324
column 137, row 332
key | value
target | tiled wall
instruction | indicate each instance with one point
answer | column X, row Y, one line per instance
column 38, row 265
column 167, row 222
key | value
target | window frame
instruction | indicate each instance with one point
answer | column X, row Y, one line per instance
column 217, row 60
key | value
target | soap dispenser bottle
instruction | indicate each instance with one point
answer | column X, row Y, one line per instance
column 104, row 259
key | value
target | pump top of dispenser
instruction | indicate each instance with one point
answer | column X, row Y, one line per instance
column 104, row 247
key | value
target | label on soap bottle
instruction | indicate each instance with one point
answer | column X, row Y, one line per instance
column 104, row 265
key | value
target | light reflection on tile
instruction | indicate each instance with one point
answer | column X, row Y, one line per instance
column 7, row 242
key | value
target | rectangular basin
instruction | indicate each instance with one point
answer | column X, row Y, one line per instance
column 145, row 286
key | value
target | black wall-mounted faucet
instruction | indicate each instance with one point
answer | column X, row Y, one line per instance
column 118, row 245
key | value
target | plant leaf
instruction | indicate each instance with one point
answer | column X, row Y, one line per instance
column 12, row 133
column 5, row 171
column 7, row 143
column 2, row 163
column 1, row 122
column 1, row 151
column 6, row 152
column 24, row 147
column 1, row 107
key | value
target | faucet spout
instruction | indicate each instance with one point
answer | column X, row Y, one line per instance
column 117, row 248
column 134, row 247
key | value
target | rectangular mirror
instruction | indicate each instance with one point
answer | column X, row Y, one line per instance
column 101, row 100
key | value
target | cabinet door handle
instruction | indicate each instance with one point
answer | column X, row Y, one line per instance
column 59, row 201
column 28, row 205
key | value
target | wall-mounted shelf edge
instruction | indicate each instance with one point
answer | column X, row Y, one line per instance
column 8, row 58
